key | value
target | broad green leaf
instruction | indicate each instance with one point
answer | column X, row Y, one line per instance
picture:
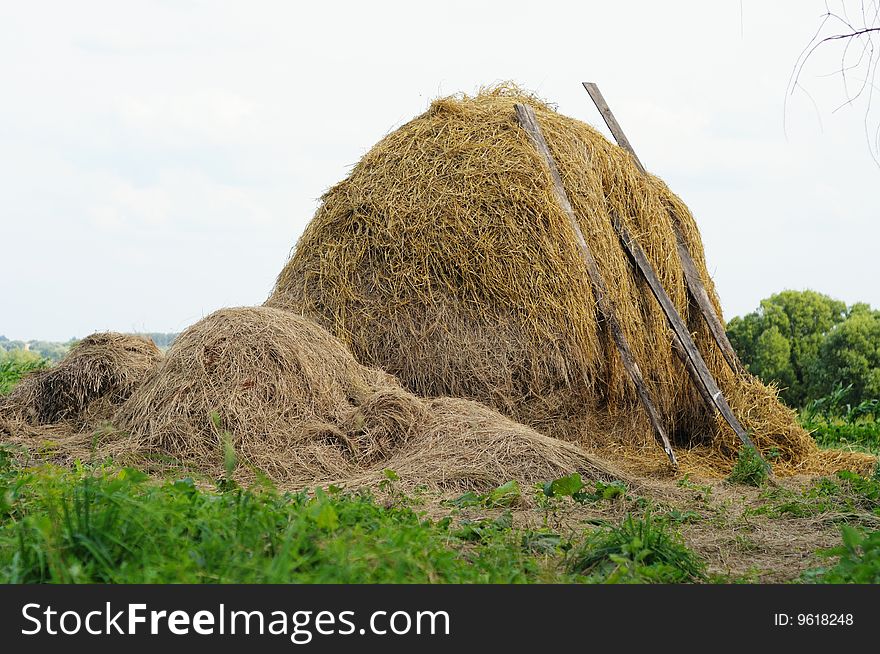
column 564, row 486
column 326, row 517
column 505, row 495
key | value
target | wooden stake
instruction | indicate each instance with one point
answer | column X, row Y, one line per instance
column 701, row 297
column 693, row 280
column 702, row 376
column 529, row 123
column 611, row 121
column 697, row 369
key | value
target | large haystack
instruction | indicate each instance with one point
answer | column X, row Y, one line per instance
column 292, row 403
column 98, row 374
column 444, row 259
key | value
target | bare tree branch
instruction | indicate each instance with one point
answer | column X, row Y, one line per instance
column 857, row 35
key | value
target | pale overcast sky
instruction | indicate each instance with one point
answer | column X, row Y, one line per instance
column 158, row 160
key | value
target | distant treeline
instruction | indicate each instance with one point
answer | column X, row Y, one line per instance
column 55, row 351
column 162, row 340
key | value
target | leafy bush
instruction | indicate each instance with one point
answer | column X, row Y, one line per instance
column 834, row 422
column 505, row 495
column 573, row 486
column 859, row 561
column 862, row 436
column 835, row 407
column 749, row 469
column 639, row 550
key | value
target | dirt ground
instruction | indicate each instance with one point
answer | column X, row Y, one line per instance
column 739, row 531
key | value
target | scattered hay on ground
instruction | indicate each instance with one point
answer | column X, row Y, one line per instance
column 467, row 445
column 293, row 404
column 290, row 399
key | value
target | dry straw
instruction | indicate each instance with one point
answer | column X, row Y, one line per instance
column 99, row 373
column 293, row 404
column 444, row 259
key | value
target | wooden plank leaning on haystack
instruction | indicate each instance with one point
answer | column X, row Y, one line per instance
column 683, row 343
column 605, row 304
column 703, row 379
column 694, row 283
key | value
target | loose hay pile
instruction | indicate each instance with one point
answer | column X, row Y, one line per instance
column 293, row 403
column 444, row 259
column 98, row 374
column 479, row 448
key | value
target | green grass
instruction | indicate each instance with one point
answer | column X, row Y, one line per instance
column 846, row 496
column 99, row 526
column 858, row 560
column 837, row 433
column 749, row 469
column 103, row 525
column 639, row 550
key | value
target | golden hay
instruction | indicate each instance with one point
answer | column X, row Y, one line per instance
column 98, row 373
column 445, row 260
column 295, row 405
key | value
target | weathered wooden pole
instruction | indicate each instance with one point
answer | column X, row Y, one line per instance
column 693, row 360
column 529, row 123
column 701, row 375
column 694, row 282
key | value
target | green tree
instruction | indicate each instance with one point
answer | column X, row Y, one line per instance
column 773, row 357
column 850, row 355
column 19, row 357
column 780, row 341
